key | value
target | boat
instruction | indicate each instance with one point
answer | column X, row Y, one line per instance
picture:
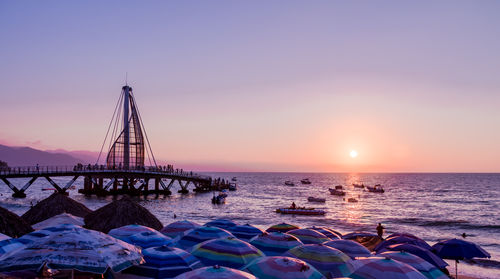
column 234, row 179
column 336, row 192
column 232, row 187
column 352, row 200
column 375, row 189
column 220, row 198
column 289, row 183
column 300, row 211
column 339, row 187
column 313, row 199
column 305, row 181
column 358, row 185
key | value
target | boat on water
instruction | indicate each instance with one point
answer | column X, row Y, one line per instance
column 336, row 192
column 305, row 181
column 220, row 198
column 352, row 200
column 339, row 187
column 234, row 178
column 300, row 211
column 313, row 199
column 289, row 183
column 232, row 187
column 375, row 189
column 358, row 185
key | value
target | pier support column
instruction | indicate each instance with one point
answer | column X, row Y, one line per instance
column 115, row 184
column 101, row 183
column 125, row 184
column 157, row 184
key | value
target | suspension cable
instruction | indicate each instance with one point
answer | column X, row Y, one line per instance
column 107, row 132
column 144, row 128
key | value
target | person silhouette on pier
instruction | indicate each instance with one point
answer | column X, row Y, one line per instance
column 380, row 230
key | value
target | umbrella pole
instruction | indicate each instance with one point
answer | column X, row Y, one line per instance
column 456, row 269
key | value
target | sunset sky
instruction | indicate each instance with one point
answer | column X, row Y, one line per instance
column 261, row 85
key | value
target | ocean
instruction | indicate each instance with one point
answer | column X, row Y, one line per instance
column 433, row 206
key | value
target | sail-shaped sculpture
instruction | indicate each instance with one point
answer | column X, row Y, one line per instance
column 127, row 151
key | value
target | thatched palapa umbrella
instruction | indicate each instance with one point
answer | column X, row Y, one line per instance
column 121, row 213
column 54, row 205
column 13, row 225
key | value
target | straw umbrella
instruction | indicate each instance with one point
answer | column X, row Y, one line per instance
column 121, row 213
column 13, row 225
column 55, row 204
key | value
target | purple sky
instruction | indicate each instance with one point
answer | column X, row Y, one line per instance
column 261, row 85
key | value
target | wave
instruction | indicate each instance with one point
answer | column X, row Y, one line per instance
column 462, row 224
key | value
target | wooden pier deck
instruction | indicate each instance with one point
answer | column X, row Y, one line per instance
column 99, row 180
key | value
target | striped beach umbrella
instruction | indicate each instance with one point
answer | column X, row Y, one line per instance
column 308, row 236
column 64, row 218
column 327, row 260
column 78, row 249
column 379, row 267
column 45, row 232
column 216, row 272
column 327, row 232
column 402, row 239
column 275, row 243
column 149, row 239
column 245, row 232
column 230, row 252
column 349, row 247
column 177, row 228
column 427, row 269
column 283, row 228
column 221, row 223
column 10, row 244
column 282, row 267
column 165, row 262
column 198, row 235
column 4, row 237
column 425, row 254
column 123, row 233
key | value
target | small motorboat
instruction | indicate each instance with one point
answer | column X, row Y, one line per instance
column 305, row 181
column 289, row 183
column 375, row 189
column 232, row 187
column 300, row 211
column 313, row 199
column 358, row 185
column 336, row 192
column 339, row 187
column 234, row 179
column 352, row 200
column 220, row 198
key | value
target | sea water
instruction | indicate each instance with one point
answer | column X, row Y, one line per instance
column 432, row 206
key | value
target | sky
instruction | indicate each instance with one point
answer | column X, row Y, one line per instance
column 412, row 86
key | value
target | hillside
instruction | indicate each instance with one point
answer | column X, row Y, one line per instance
column 27, row 156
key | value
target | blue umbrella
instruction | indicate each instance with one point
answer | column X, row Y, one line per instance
column 149, row 239
column 165, row 262
column 198, row 235
column 400, row 239
column 245, row 232
column 10, row 244
column 221, row 223
column 457, row 249
column 417, row 251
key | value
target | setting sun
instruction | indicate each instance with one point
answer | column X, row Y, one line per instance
column 353, row 153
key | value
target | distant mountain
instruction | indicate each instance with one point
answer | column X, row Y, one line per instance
column 27, row 156
column 88, row 157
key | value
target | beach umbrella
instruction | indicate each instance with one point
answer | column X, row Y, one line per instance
column 276, row 267
column 198, row 235
column 275, row 243
column 379, row 267
column 216, row 272
column 329, row 261
column 349, row 247
column 121, row 213
column 4, row 237
column 355, row 235
column 245, row 232
column 308, row 236
column 74, row 249
column 53, row 205
column 45, row 232
column 221, row 223
column 401, row 239
column 458, row 249
column 149, row 239
column 425, row 254
column 402, row 234
column 283, row 228
column 177, row 228
column 230, row 252
column 124, row 232
column 63, row 218
column 326, row 231
column 13, row 225
column 164, row 262
column 427, row 269
column 10, row 244
column 369, row 240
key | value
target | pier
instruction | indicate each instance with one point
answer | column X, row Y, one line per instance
column 124, row 171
